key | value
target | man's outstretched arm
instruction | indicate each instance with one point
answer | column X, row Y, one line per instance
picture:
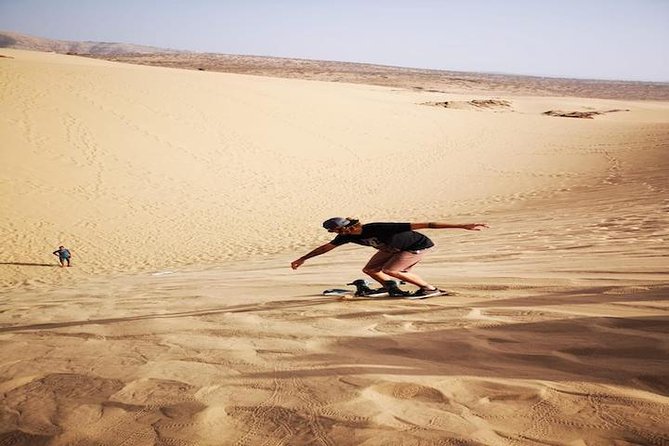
column 316, row 252
column 440, row 225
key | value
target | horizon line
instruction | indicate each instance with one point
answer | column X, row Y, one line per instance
column 494, row 73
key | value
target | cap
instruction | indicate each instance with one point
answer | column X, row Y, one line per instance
column 336, row 222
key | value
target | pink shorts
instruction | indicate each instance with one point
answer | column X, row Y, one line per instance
column 401, row 261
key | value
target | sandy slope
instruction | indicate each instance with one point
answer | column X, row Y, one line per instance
column 184, row 195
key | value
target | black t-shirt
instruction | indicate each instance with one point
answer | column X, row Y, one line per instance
column 391, row 237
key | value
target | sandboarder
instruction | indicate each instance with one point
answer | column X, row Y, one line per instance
column 64, row 255
column 399, row 247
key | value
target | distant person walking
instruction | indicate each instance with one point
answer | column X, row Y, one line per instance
column 64, row 255
column 399, row 247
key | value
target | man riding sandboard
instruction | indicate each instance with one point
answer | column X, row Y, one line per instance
column 399, row 247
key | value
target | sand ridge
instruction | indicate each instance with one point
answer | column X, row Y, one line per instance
column 423, row 80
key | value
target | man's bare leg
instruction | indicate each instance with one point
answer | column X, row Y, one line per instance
column 378, row 276
column 414, row 279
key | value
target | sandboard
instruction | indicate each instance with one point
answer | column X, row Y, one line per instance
column 385, row 296
column 344, row 294
column 362, row 286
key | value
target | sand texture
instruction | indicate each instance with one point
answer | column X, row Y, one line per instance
column 185, row 194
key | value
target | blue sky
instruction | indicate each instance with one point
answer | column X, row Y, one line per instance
column 614, row 39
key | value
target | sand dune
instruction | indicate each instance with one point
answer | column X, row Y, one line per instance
column 21, row 41
column 184, row 195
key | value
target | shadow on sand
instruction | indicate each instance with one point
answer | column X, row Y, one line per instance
column 30, row 264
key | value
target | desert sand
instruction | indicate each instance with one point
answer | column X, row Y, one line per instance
column 184, row 195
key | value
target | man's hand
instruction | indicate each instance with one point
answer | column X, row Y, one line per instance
column 296, row 263
column 316, row 252
column 474, row 226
